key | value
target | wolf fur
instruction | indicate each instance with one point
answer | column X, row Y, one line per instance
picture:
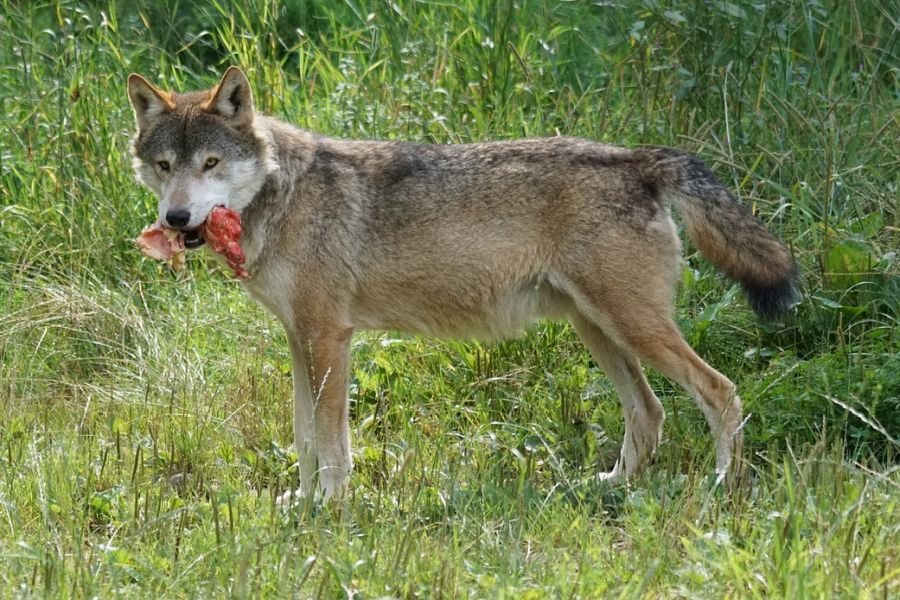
column 473, row 240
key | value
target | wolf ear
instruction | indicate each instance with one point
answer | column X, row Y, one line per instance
column 233, row 99
column 147, row 101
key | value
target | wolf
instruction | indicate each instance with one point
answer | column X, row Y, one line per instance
column 467, row 240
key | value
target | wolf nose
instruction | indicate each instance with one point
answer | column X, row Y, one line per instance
column 178, row 217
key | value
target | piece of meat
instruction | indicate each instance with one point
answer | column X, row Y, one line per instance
column 222, row 231
column 162, row 243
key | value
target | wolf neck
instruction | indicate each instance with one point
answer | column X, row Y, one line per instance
column 285, row 154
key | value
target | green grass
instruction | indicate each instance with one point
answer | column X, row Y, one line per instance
column 145, row 418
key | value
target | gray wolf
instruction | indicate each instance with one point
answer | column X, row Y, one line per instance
column 471, row 240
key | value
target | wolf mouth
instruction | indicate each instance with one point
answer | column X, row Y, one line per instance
column 193, row 239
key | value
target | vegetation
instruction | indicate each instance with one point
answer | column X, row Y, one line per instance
column 144, row 416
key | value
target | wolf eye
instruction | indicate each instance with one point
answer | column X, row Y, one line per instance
column 163, row 165
column 211, row 162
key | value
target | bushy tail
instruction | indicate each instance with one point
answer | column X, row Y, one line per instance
column 726, row 232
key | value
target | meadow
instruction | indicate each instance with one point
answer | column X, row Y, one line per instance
column 145, row 426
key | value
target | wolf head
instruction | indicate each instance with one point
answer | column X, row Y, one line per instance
column 198, row 150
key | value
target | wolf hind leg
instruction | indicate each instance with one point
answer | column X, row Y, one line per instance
column 643, row 411
column 661, row 345
column 714, row 393
column 641, row 324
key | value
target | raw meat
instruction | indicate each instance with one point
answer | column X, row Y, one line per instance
column 221, row 230
column 163, row 243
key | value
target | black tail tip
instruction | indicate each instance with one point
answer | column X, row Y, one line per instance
column 771, row 300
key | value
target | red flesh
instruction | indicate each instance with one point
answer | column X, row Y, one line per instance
column 154, row 243
column 222, row 231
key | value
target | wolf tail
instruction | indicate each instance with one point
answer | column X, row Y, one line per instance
column 726, row 232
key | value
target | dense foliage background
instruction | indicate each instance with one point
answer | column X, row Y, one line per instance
column 145, row 418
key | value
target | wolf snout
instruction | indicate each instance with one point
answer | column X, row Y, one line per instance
column 178, row 217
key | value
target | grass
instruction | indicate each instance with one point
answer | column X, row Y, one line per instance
column 144, row 417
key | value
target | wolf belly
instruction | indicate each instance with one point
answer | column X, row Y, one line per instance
column 467, row 312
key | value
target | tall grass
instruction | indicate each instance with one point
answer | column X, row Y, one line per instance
column 144, row 417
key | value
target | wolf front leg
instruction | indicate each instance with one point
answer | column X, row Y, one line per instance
column 320, row 369
column 304, row 418
column 327, row 358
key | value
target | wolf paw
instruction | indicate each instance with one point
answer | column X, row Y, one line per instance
column 292, row 499
column 613, row 475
